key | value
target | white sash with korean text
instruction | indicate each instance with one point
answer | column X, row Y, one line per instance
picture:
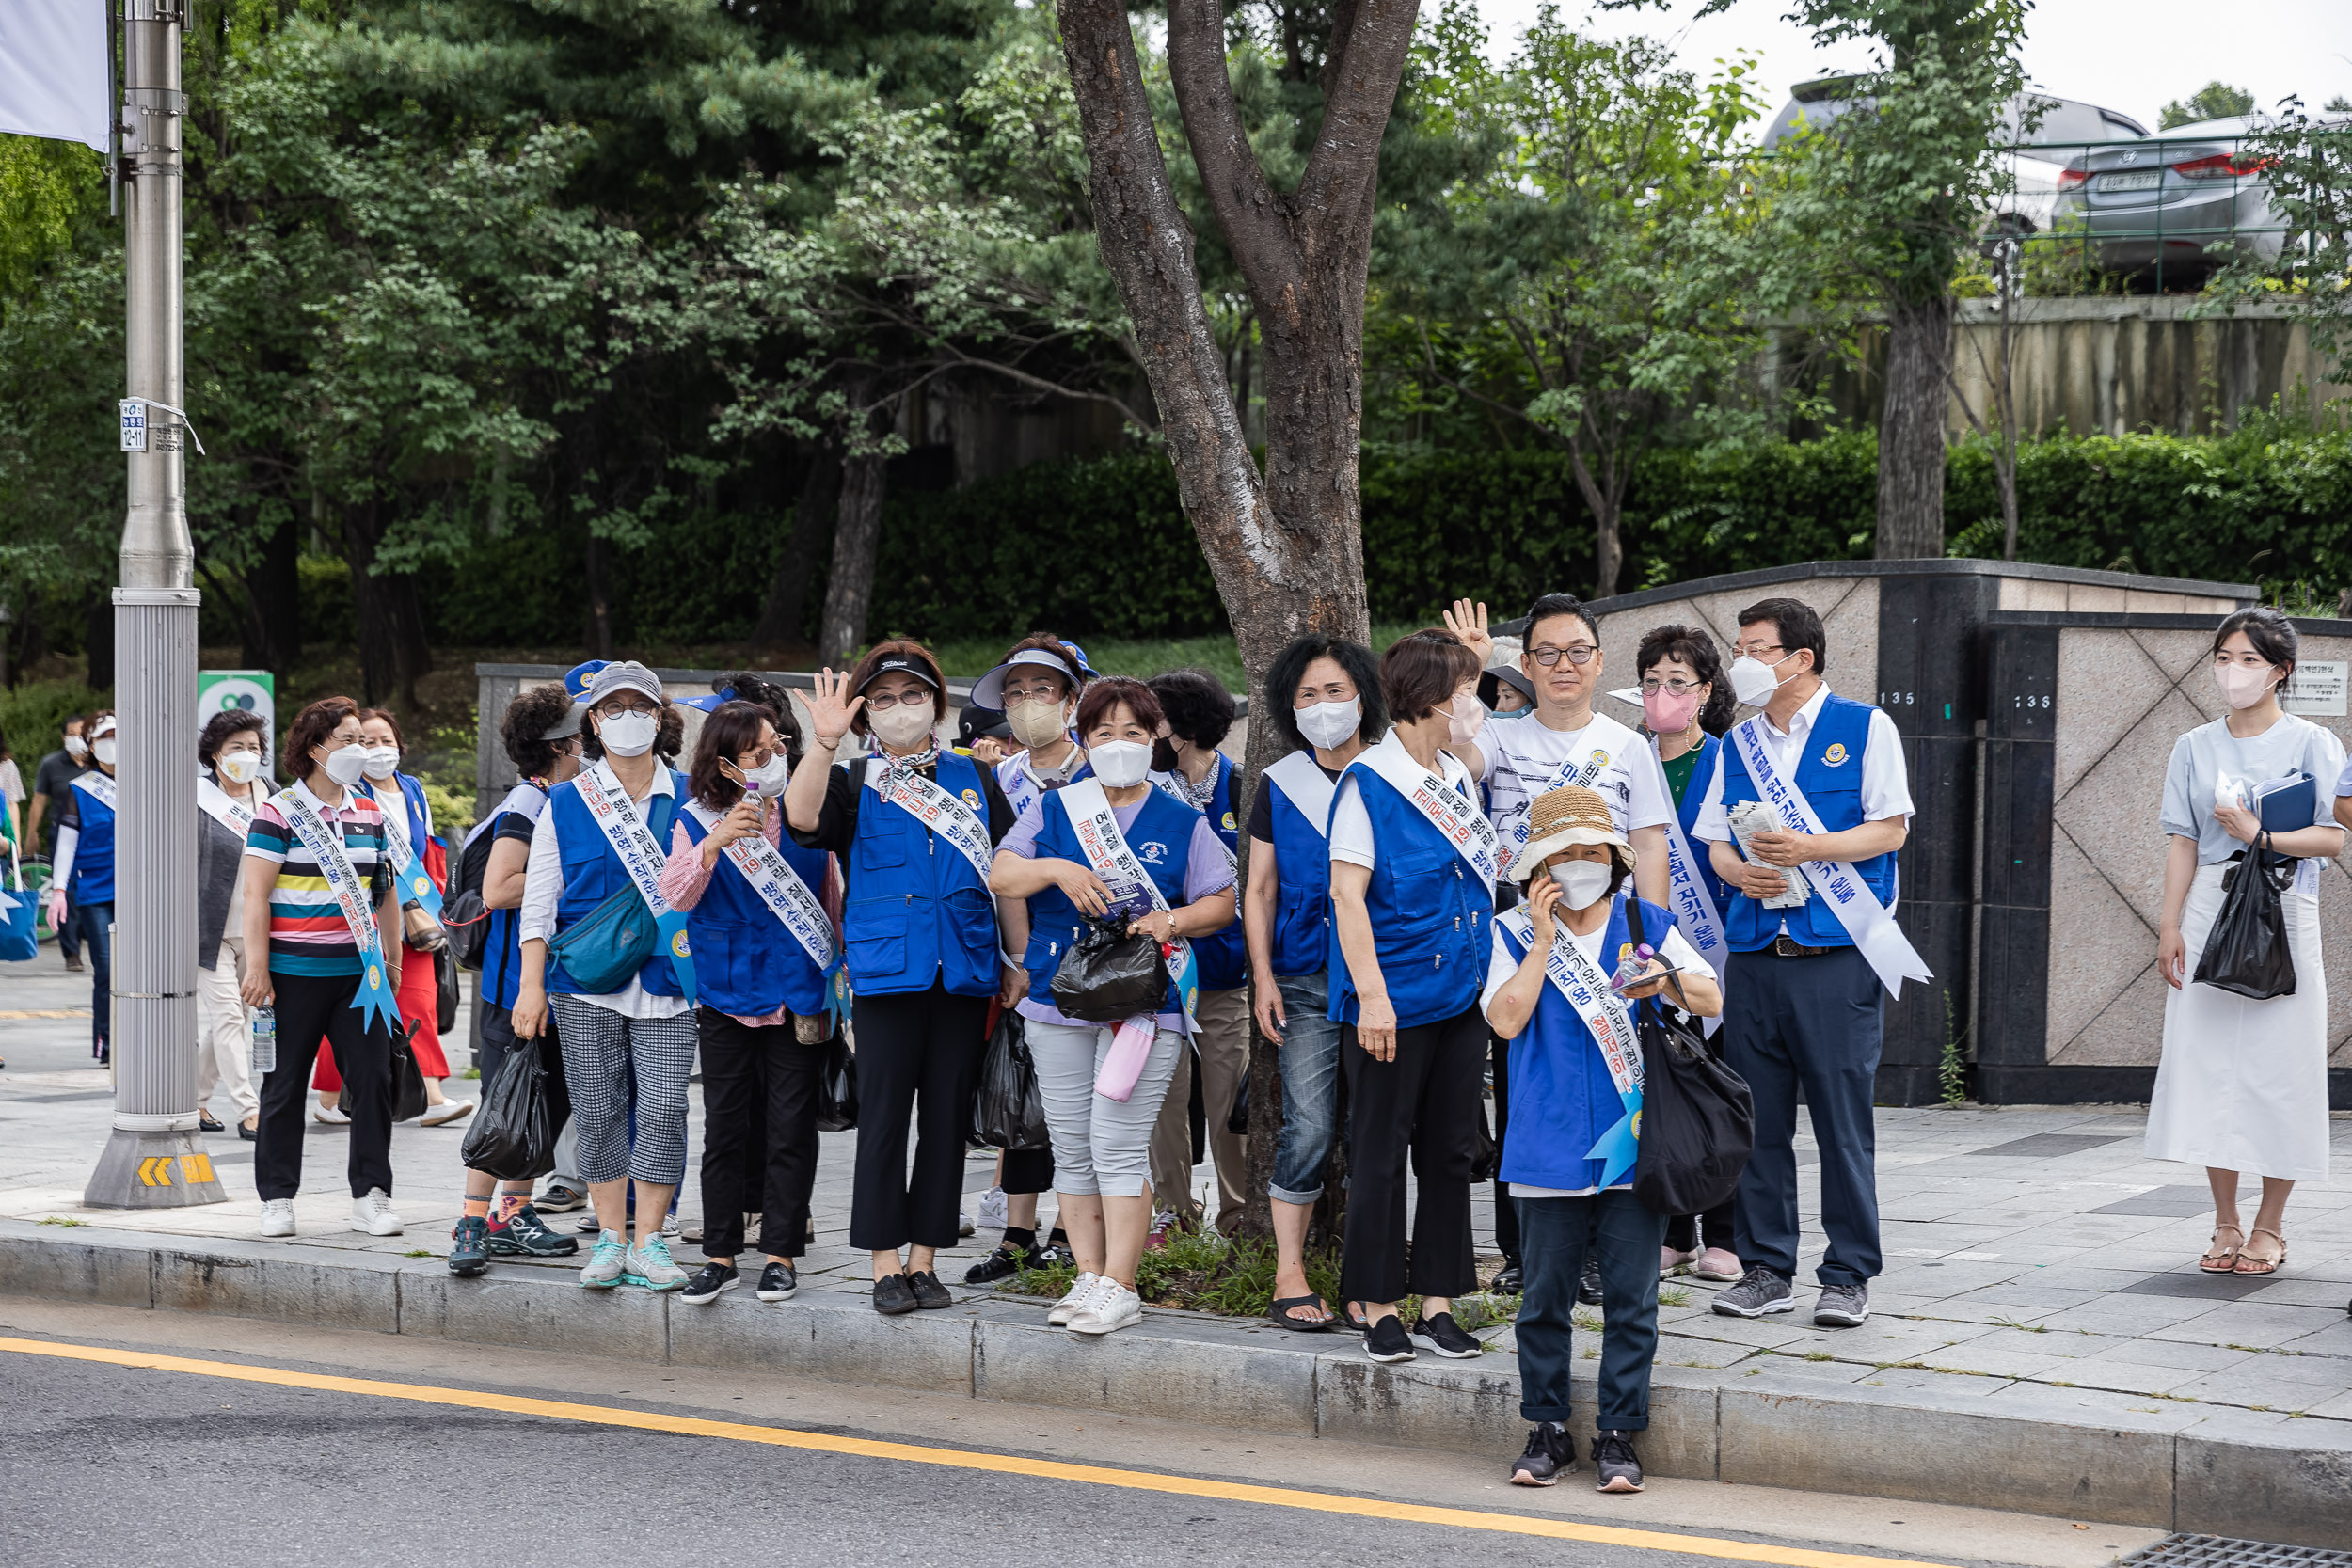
column 1868, row 922
column 325, row 844
column 98, row 786
column 1580, row 771
column 780, row 888
column 1695, row 914
column 1464, row 825
column 223, row 807
column 625, row 830
column 1586, row 990
column 927, row 802
column 1107, row 852
column 1307, row 786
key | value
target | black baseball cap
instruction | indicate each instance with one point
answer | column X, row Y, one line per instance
column 901, row 664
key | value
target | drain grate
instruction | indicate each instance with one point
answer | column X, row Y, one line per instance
column 2214, row 1551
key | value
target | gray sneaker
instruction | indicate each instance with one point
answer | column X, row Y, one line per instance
column 1842, row 1306
column 1758, row 1294
column 649, row 1264
column 603, row 1269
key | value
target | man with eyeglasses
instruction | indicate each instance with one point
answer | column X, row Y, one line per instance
column 1802, row 989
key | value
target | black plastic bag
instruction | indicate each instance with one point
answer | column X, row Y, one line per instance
column 1008, row 1111
column 1108, row 975
column 836, row 1087
column 1698, row 1122
column 2247, row 951
column 513, row 1135
column 444, row 988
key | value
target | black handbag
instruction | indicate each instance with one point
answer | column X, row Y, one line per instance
column 1698, row 1121
column 2246, row 951
column 513, row 1135
column 407, row 1078
column 836, row 1087
column 1008, row 1111
column 445, row 988
column 1108, row 975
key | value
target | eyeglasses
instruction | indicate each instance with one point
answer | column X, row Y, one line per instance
column 612, row 708
column 1756, row 650
column 757, row 760
column 1047, row 690
column 884, row 703
column 1652, row 686
column 1547, row 656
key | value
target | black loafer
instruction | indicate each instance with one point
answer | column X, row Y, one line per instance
column 1510, row 1280
column 249, row 1133
column 777, row 1282
column 1387, row 1341
column 930, row 1295
column 1588, row 1286
column 207, row 1123
column 893, row 1298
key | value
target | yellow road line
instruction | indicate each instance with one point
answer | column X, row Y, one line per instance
column 44, row 1012
column 1051, row 1469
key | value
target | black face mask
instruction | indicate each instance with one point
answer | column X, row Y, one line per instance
column 1163, row 756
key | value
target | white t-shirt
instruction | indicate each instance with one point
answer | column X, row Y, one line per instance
column 1351, row 823
column 1522, row 755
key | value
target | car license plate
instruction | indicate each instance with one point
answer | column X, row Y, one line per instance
column 2143, row 180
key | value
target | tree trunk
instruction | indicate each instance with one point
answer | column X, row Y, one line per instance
column 597, row 632
column 392, row 650
column 273, row 622
column 1911, row 429
column 788, row 591
column 1286, row 548
column 856, row 541
column 98, row 640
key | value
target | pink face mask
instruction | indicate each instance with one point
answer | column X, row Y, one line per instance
column 1669, row 713
column 2243, row 686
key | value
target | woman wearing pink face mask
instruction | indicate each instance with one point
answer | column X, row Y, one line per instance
column 2242, row 1085
column 1686, row 704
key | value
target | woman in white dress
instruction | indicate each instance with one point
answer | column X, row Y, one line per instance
column 2243, row 1085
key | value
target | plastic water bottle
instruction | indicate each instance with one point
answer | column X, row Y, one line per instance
column 1630, row 968
column 264, row 1032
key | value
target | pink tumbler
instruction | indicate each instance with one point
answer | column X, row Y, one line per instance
column 1123, row 1064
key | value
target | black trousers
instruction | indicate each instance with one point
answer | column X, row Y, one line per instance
column 311, row 1007
column 1423, row 1105
column 919, row 1054
column 759, row 1134
column 1506, row 1212
column 1028, row 1172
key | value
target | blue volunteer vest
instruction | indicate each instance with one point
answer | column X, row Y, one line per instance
column 95, row 857
column 592, row 872
column 1428, row 914
column 1562, row 1097
column 1302, row 898
column 501, row 937
column 918, row 912
column 1830, row 775
column 1161, row 837
column 1224, row 956
column 745, row 963
column 1687, row 811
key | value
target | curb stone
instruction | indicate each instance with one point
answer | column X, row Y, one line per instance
column 2072, row 1453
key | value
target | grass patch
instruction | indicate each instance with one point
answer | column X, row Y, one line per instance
column 419, row 1252
column 1669, row 1296
column 2021, row 1328
column 1203, row 1272
column 63, row 1221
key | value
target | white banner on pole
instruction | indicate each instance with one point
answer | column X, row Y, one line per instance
column 53, row 69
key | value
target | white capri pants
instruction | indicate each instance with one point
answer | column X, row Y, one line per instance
column 1100, row 1144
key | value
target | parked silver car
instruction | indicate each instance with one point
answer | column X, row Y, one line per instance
column 2181, row 204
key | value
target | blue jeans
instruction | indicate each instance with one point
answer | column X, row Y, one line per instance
column 1309, row 1062
column 89, row 922
column 1552, row 1237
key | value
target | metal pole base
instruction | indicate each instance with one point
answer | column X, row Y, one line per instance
column 154, row 1170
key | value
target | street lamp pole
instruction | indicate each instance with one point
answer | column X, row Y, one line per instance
column 155, row 1157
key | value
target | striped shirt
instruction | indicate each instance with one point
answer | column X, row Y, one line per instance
column 306, row 931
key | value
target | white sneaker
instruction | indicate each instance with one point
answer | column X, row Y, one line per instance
column 277, row 1216
column 1084, row 1286
column 331, row 1114
column 964, row 1225
column 373, row 1213
column 994, row 1215
column 1111, row 1307
column 445, row 1113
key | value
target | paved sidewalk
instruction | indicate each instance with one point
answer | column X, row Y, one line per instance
column 2033, row 1256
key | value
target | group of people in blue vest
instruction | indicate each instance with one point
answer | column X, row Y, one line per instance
column 1427, row 892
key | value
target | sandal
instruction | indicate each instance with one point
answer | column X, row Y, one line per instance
column 1281, row 1312
column 2219, row 1259
column 2250, row 1264
column 1355, row 1319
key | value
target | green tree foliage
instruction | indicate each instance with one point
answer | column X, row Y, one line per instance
column 2214, row 101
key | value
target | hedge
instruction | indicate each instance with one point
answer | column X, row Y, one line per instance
column 1099, row 546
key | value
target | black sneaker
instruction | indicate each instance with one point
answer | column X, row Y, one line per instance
column 777, row 1282
column 1444, row 1336
column 930, row 1295
column 1588, row 1285
column 1387, row 1341
column 1842, row 1306
column 1001, row 1264
column 892, row 1296
column 467, row 1256
column 560, row 1199
column 710, row 1282
column 526, row 1235
column 1510, row 1280
column 1614, row 1463
column 1055, row 1254
column 1759, row 1292
column 1550, row 1454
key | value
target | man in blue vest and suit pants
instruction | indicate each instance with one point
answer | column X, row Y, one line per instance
column 1802, row 992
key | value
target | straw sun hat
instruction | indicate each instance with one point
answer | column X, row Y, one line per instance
column 1566, row 815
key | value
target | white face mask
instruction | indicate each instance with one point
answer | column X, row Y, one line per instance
column 1120, row 763
column 76, row 748
column 1468, row 715
column 770, row 777
column 1034, row 723
column 1582, row 884
column 628, row 735
column 1753, row 680
column 239, row 766
column 382, row 761
column 2241, row 684
column 902, row 726
column 1329, row 724
column 346, row 766
column 105, row 751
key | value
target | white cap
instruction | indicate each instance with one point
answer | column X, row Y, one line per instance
column 988, row 690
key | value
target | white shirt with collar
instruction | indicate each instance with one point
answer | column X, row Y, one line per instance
column 543, row 889
column 1886, row 781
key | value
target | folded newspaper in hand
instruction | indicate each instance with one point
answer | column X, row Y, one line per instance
column 1751, row 817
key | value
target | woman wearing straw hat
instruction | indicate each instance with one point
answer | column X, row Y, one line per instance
column 1576, row 1074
